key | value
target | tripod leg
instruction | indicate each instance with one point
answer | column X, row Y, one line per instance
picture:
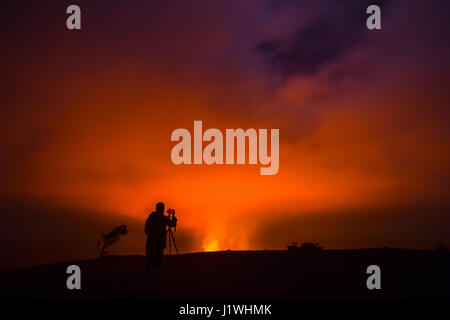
column 170, row 260
column 173, row 240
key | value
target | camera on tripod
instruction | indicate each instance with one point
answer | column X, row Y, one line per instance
column 170, row 232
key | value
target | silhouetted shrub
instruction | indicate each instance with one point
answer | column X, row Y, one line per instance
column 305, row 246
column 440, row 246
column 292, row 246
column 110, row 238
column 310, row 246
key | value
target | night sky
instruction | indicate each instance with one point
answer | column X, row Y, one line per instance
column 86, row 118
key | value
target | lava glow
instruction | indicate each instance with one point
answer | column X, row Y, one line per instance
column 211, row 245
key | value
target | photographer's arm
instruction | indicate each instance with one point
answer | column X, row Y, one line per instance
column 173, row 222
column 170, row 222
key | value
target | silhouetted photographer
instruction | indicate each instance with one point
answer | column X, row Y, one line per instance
column 157, row 226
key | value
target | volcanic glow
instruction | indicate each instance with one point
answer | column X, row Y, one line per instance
column 211, row 246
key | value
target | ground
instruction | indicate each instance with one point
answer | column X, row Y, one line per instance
column 327, row 274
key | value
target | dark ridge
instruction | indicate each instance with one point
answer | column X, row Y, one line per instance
column 326, row 274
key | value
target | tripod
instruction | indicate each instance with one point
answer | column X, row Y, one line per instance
column 171, row 240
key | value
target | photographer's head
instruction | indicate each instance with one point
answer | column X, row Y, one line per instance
column 160, row 207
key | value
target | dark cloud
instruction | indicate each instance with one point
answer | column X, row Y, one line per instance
column 32, row 232
column 329, row 35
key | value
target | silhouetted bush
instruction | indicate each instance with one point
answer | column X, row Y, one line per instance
column 310, row 246
column 110, row 238
column 305, row 246
column 440, row 246
column 292, row 246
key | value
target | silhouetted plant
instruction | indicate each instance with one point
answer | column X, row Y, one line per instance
column 110, row 238
column 292, row 246
column 440, row 246
column 310, row 246
column 306, row 246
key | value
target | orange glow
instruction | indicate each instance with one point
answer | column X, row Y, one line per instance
column 122, row 164
column 211, row 246
column 90, row 128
